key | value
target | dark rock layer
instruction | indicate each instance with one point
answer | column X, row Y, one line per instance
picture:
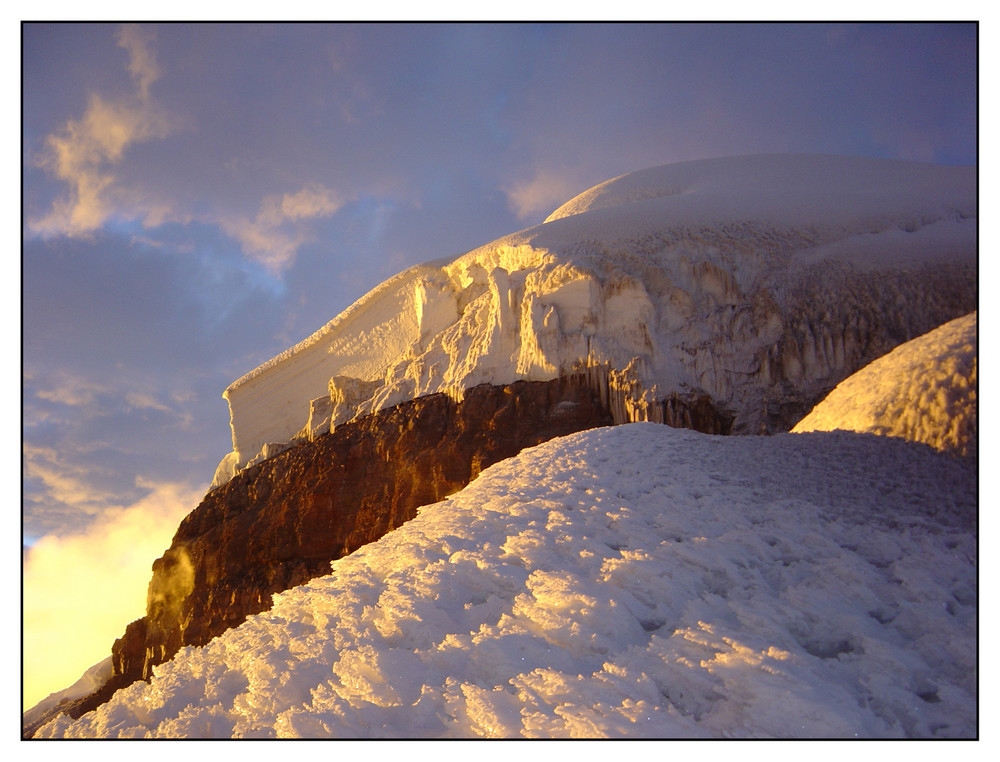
column 281, row 522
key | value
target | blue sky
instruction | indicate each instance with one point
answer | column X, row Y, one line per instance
column 199, row 197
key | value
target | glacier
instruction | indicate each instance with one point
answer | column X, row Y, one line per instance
column 759, row 282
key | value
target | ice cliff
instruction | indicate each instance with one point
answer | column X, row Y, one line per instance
column 757, row 283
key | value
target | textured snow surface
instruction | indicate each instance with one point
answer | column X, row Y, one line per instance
column 632, row 581
column 924, row 391
column 738, row 278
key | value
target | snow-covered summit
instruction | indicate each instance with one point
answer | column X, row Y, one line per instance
column 757, row 281
column 785, row 189
column 790, row 586
column 924, row 390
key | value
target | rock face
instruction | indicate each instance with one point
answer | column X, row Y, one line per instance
column 281, row 522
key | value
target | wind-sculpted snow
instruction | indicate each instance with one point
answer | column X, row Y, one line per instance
column 924, row 390
column 757, row 282
column 632, row 581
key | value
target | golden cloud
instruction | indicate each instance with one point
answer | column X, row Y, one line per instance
column 272, row 237
column 142, row 58
column 83, row 153
column 80, row 591
column 541, row 194
column 64, row 482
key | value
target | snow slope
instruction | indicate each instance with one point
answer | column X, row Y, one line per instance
column 752, row 279
column 637, row 581
column 924, row 390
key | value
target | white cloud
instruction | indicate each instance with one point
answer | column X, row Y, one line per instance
column 139, row 401
column 534, row 199
column 76, row 396
column 84, row 153
column 76, row 391
column 64, row 482
column 311, row 201
column 274, row 235
column 80, row 591
column 142, row 58
column 70, row 477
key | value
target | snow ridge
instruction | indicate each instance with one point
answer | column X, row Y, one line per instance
column 793, row 586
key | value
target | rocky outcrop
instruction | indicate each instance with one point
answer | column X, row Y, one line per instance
column 281, row 522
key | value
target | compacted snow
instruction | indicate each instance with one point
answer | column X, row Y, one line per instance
column 750, row 279
column 637, row 581
column 924, row 390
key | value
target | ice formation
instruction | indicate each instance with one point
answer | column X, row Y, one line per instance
column 924, row 390
column 753, row 280
column 631, row 581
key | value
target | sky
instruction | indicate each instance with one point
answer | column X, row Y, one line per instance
column 199, row 197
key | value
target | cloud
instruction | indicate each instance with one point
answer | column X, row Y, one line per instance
column 142, row 58
column 75, row 395
column 80, row 591
column 274, row 235
column 75, row 461
column 83, row 154
column 138, row 401
column 63, row 482
column 534, row 199
column 314, row 201
column 94, row 399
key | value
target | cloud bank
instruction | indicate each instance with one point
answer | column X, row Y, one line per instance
column 88, row 156
column 81, row 590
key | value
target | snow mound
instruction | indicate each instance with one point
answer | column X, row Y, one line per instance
column 924, row 391
column 758, row 281
column 633, row 581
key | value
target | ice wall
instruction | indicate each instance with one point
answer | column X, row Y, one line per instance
column 756, row 282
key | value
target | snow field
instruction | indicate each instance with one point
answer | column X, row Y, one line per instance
column 635, row 581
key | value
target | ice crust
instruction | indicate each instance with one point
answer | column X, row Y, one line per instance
column 694, row 273
column 633, row 581
column 924, row 391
